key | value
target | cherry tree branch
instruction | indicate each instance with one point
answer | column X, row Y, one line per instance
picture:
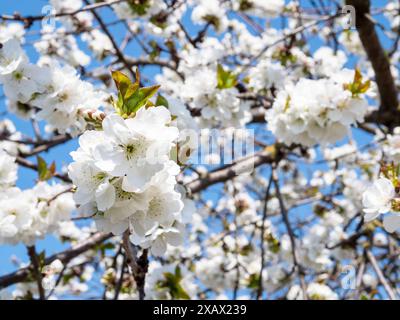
column 66, row 256
column 228, row 172
column 296, row 264
column 262, row 237
column 137, row 265
column 118, row 52
column 36, row 270
column 380, row 275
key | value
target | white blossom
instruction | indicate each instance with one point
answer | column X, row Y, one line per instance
column 377, row 199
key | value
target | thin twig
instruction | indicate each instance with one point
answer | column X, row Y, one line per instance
column 264, row 217
column 380, row 275
column 36, row 271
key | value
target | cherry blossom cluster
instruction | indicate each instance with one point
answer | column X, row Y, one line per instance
column 30, row 214
column 320, row 111
column 125, row 178
column 61, row 98
column 380, row 198
column 208, row 89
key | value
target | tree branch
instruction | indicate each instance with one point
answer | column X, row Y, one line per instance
column 36, row 270
column 230, row 171
column 380, row 275
column 64, row 256
column 137, row 265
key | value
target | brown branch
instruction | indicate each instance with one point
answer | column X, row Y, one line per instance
column 285, row 216
column 64, row 256
column 104, row 28
column 380, row 275
column 47, row 145
column 137, row 265
column 36, row 271
column 230, row 171
column 262, row 236
column 27, row 164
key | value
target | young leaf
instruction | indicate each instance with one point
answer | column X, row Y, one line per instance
column 172, row 283
column 45, row 172
column 130, row 96
column 139, row 7
column 162, row 101
column 225, row 78
column 121, row 81
column 140, row 98
column 357, row 87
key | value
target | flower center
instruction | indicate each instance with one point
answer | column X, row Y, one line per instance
column 135, row 149
column 100, row 176
column 18, row 75
column 62, row 97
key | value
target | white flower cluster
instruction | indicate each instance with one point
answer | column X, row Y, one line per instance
column 11, row 30
column 170, row 281
column 392, row 146
column 315, row 111
column 218, row 107
column 261, row 8
column 267, row 75
column 8, row 170
column 210, row 11
column 210, row 106
column 131, row 9
column 315, row 291
column 57, row 44
column 378, row 199
column 99, row 43
column 124, row 176
column 61, row 97
column 28, row 215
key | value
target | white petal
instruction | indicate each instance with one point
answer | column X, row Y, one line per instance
column 105, row 196
column 370, row 215
column 158, row 247
column 385, row 186
column 174, row 238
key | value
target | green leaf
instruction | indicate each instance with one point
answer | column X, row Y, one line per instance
column 156, row 50
column 140, row 98
column 273, row 244
column 253, row 281
column 225, row 78
column 123, row 83
column 45, row 172
column 130, row 96
column 245, row 5
column 178, row 273
column 162, row 101
column 140, row 7
column 172, row 283
column 357, row 87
